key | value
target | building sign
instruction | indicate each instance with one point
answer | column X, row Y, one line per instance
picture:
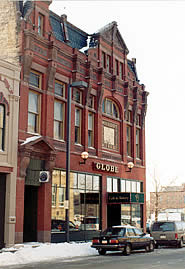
column 137, row 198
column 106, row 167
column 118, row 197
column 89, row 198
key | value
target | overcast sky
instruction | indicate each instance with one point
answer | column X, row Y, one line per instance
column 154, row 32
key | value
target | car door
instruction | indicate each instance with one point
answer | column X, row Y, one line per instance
column 132, row 237
column 141, row 239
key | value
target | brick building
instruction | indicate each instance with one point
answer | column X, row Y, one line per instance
column 170, row 198
column 107, row 121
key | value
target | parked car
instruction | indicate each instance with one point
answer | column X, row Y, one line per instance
column 89, row 223
column 168, row 233
column 123, row 238
column 58, row 225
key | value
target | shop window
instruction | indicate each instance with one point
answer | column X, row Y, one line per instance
column 58, row 120
column 123, row 185
column 61, row 196
column 34, row 112
column 89, row 185
column 77, row 126
column 134, row 186
column 59, row 88
column 54, row 194
column 35, row 79
column 136, row 215
column 128, row 186
column 77, row 96
column 81, row 181
column 90, row 129
column 2, row 127
column 125, row 214
column 138, row 186
column 112, row 184
column 41, row 24
column 110, row 108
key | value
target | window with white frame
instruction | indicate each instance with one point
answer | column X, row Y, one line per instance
column 59, row 88
column 110, row 108
column 77, row 126
column 34, row 112
column 58, row 120
column 90, row 129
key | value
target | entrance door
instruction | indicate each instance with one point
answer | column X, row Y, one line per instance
column 113, row 215
column 30, row 214
column 2, row 207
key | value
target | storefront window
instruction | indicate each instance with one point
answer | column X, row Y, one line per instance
column 128, row 186
column 125, row 214
column 136, row 215
column 123, row 188
column 84, row 201
column 134, row 186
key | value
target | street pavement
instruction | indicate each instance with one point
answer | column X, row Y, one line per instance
column 163, row 258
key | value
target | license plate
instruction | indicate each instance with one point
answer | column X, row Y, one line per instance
column 104, row 241
column 163, row 236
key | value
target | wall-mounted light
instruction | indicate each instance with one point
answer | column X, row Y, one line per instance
column 130, row 165
column 84, row 156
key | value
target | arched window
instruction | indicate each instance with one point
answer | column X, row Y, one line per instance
column 110, row 108
column 2, row 126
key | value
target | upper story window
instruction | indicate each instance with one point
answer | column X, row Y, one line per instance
column 108, row 63
column 103, row 59
column 35, row 79
column 41, row 24
column 58, row 120
column 110, row 108
column 77, row 96
column 59, row 88
column 90, row 129
column 121, row 70
column 2, row 126
column 129, row 116
column 33, row 112
column 91, row 101
column 117, row 68
column 77, row 125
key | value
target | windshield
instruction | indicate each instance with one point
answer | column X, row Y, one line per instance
column 114, row 231
column 163, row 226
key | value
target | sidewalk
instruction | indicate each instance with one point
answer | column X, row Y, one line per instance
column 35, row 252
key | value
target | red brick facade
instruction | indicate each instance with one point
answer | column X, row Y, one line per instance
column 57, row 60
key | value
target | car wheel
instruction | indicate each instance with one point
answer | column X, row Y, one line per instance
column 102, row 251
column 127, row 250
column 151, row 246
column 180, row 245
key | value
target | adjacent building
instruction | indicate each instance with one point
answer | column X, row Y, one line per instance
column 9, row 111
column 107, row 121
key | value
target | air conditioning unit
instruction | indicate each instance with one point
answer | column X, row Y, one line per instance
column 44, row 176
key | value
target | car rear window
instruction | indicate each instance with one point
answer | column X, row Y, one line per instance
column 114, row 231
column 163, row 226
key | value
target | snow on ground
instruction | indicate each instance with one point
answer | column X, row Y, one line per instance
column 36, row 252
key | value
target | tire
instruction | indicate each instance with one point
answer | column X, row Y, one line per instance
column 180, row 245
column 127, row 250
column 102, row 251
column 151, row 246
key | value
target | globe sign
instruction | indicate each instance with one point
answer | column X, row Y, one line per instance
column 43, row 176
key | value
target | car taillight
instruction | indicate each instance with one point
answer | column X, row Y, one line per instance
column 176, row 236
column 114, row 241
column 96, row 241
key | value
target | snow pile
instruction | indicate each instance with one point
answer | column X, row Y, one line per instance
column 29, row 253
